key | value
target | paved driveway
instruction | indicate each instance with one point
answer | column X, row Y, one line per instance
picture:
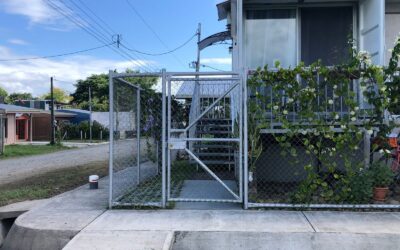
column 20, row 168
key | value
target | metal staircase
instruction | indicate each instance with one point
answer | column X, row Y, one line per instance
column 215, row 154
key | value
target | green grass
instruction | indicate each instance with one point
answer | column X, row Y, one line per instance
column 50, row 184
column 149, row 191
column 26, row 150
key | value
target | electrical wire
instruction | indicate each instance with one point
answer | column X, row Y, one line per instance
column 153, row 31
column 108, row 30
column 162, row 53
column 100, row 37
column 57, row 55
column 210, row 67
column 135, row 60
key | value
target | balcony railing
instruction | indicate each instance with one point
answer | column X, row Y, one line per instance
column 323, row 92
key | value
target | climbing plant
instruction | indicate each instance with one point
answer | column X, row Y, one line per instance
column 305, row 102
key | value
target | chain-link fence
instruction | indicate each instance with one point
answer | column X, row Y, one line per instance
column 309, row 143
column 136, row 120
column 178, row 137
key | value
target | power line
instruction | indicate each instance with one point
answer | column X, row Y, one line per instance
column 210, row 67
column 162, row 53
column 100, row 34
column 99, row 18
column 110, row 31
column 93, row 33
column 153, row 31
column 57, row 55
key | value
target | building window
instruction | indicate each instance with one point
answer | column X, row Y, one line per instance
column 392, row 28
column 270, row 37
column 325, row 33
column 317, row 33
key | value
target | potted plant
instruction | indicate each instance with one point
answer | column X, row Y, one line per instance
column 382, row 177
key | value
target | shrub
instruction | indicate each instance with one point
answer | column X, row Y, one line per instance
column 381, row 174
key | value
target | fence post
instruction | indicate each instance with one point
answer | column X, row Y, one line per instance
column 111, row 136
column 138, row 133
column 163, row 141
column 367, row 148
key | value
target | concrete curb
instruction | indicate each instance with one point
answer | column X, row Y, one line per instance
column 51, row 225
column 169, row 241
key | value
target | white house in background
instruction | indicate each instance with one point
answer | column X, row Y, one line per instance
column 291, row 31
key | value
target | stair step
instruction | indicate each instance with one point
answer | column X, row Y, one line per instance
column 215, row 125
column 214, row 132
column 215, row 162
column 215, row 121
column 213, row 146
column 214, row 154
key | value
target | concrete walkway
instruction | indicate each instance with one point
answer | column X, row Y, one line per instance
column 239, row 229
column 79, row 220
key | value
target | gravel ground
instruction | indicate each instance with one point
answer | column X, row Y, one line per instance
column 23, row 167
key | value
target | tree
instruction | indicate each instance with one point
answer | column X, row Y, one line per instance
column 60, row 95
column 100, row 90
column 18, row 96
column 99, row 86
column 3, row 93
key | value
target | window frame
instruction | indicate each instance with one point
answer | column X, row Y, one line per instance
column 298, row 7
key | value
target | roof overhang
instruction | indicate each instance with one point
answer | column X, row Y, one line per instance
column 223, row 10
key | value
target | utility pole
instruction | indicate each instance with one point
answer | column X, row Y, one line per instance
column 198, row 48
column 90, row 114
column 52, row 118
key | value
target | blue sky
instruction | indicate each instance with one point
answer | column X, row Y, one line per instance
column 30, row 28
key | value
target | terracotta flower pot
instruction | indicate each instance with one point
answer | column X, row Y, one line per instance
column 380, row 193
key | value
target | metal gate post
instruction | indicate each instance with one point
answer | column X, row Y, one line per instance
column 138, row 134
column 111, row 136
column 164, row 143
column 245, row 144
column 240, row 127
column 168, row 139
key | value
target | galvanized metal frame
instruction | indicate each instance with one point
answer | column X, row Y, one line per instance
column 231, row 76
column 120, row 77
column 111, row 136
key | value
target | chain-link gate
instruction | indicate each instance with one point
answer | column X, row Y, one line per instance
column 204, row 137
column 196, row 118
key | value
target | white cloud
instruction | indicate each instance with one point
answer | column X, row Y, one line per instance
column 34, row 76
column 217, row 60
column 40, row 12
column 36, row 10
column 18, row 41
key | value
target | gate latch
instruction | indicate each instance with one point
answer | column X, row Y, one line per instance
column 177, row 144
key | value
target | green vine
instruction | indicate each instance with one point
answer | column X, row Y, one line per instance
column 305, row 103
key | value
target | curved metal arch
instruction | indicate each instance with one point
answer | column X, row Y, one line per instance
column 213, row 39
